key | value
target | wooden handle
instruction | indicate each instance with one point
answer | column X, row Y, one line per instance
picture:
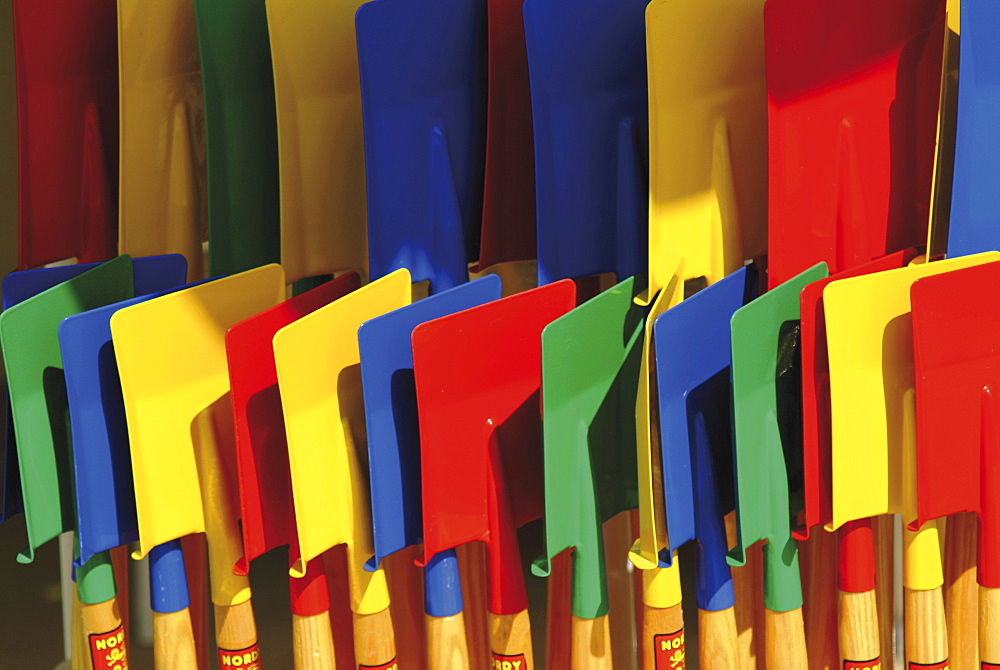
column 312, row 642
column 989, row 625
column 447, row 648
column 173, row 641
column 718, row 646
column 104, row 634
column 236, row 634
column 858, row 629
column 961, row 591
column 510, row 640
column 374, row 641
column 785, row 641
column 925, row 631
column 662, row 633
column 591, row 648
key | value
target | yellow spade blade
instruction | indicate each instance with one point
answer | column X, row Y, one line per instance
column 321, row 161
column 171, row 355
column 652, row 520
column 873, row 411
column 319, row 377
column 707, row 137
column 162, row 187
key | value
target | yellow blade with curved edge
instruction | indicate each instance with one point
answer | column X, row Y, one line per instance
column 707, row 137
column 171, row 355
column 873, row 411
column 652, row 519
column 319, row 377
column 321, row 161
column 162, row 183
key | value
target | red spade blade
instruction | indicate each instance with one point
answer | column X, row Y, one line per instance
column 478, row 375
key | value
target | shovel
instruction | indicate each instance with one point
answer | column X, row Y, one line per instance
column 67, row 98
column 394, row 458
column 707, row 137
column 172, row 364
column 477, row 375
column 869, row 344
column 956, row 462
column 590, row 114
column 853, row 90
column 695, row 409
column 859, row 628
column 161, row 196
column 240, row 135
column 267, row 517
column 321, row 165
column 591, row 359
column 766, row 457
column 425, row 135
column 319, row 378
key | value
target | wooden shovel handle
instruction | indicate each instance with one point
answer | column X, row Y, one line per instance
column 925, row 630
column 236, row 634
column 718, row 646
column 447, row 648
column 858, row 627
column 989, row 625
column 173, row 641
column 591, row 646
column 312, row 642
column 661, row 626
column 104, row 633
column 374, row 640
column 510, row 640
column 785, row 641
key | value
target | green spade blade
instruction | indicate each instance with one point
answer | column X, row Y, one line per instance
column 29, row 335
column 767, row 456
column 590, row 378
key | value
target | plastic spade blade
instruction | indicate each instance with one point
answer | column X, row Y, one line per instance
column 478, row 374
column 266, row 509
column 590, row 121
column 695, row 409
column 847, row 81
column 767, row 452
column 590, row 375
column 425, row 134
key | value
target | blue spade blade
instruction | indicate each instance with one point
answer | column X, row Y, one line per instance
column 693, row 360
column 974, row 224
column 152, row 273
column 587, row 67
column 425, row 134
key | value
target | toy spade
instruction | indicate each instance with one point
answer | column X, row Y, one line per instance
column 695, row 409
column 319, row 378
column 956, row 461
column 266, row 511
column 172, row 364
column 320, row 155
column 477, row 376
column 859, row 621
column 394, row 457
column 869, row 342
column 767, row 456
column 241, row 138
column 161, row 196
column 591, row 359
column 67, row 98
column 425, row 135
column 707, row 137
column 589, row 114
column 853, row 91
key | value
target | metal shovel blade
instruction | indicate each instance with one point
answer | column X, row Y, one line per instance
column 853, row 91
column 391, row 411
column 767, row 451
column 590, row 122
column 425, row 134
column 590, row 377
column 477, row 376
column 266, row 511
column 707, row 137
column 67, row 98
column 693, row 368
